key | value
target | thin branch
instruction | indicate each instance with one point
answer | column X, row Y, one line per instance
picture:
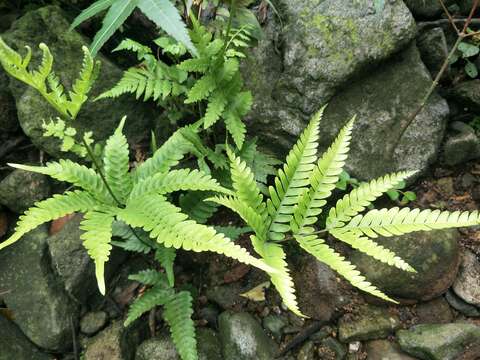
column 450, row 18
column 470, row 16
column 435, row 23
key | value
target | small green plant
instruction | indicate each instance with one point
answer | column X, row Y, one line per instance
column 47, row 83
column 466, row 51
column 162, row 12
column 298, row 197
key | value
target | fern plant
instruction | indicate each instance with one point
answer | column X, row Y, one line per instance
column 298, row 197
column 162, row 12
column 138, row 198
column 47, row 83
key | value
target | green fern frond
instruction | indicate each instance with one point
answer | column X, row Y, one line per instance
column 178, row 311
column 116, row 164
column 149, row 277
column 133, row 46
column 245, row 186
column 201, row 90
column 166, row 257
column 170, row 227
column 166, row 157
column 323, row 179
column 131, row 81
column 235, row 127
column 233, row 232
column 361, row 197
column 176, row 180
column 155, row 296
column 97, row 227
column 293, row 179
column 215, row 107
column 135, row 241
column 371, row 248
column 315, row 246
column 51, row 209
column 194, row 204
column 395, row 221
column 248, row 214
column 274, row 256
column 76, row 174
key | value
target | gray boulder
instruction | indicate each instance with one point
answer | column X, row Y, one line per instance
column 49, row 25
column 458, row 304
column 461, row 144
column 439, row 342
column 433, row 47
column 21, row 189
column 14, row 345
column 333, row 51
column 467, row 95
column 467, row 283
column 243, row 338
column 41, row 307
column 385, row 350
column 426, row 8
column 435, row 255
column 368, row 324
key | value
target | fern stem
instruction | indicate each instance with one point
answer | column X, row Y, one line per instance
column 100, row 172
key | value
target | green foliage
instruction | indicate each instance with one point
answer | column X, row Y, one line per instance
column 299, row 195
column 466, row 52
column 134, row 197
column 162, row 12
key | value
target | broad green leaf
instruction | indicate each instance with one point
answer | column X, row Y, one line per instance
column 92, row 10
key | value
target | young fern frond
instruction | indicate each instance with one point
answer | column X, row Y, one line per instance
column 51, row 209
column 396, row 221
column 97, row 227
column 322, row 252
column 149, row 277
column 323, row 179
column 293, row 179
column 371, row 248
column 178, row 311
column 136, row 241
column 196, row 206
column 361, row 197
column 44, row 80
column 116, row 164
column 156, row 296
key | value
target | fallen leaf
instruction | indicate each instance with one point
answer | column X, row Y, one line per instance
column 58, row 224
column 7, row 313
column 257, row 293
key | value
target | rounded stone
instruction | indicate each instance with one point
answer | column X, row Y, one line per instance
column 467, row 283
column 93, row 322
column 434, row 255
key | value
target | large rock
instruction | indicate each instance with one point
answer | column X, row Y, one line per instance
column 467, row 94
column 385, row 350
column 467, row 283
column 14, row 345
column 72, row 264
column 320, row 291
column 40, row 305
column 49, row 25
column 426, row 8
column 435, row 255
column 439, row 342
column 21, row 189
column 329, row 48
column 461, row 144
column 433, row 47
column 368, row 324
column 243, row 338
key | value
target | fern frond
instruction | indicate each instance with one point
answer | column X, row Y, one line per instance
column 315, row 246
column 97, row 227
column 194, row 204
column 361, row 197
column 166, row 257
column 233, row 232
column 132, row 80
column 176, row 180
column 245, row 186
column 323, row 179
column 248, row 214
column 71, row 172
column 135, row 241
column 235, row 127
column 292, row 180
column 155, row 296
column 149, row 277
column 396, row 221
column 201, row 90
column 371, row 248
column 274, row 256
column 51, row 209
column 215, row 107
column 166, row 157
column 39, row 76
column 133, row 46
column 170, row 227
column 116, row 164
column 178, row 311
